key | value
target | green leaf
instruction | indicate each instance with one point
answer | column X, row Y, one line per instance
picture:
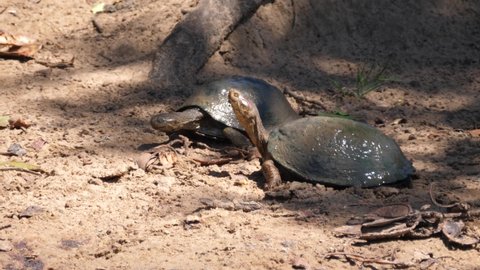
column 21, row 165
column 98, row 8
column 4, row 121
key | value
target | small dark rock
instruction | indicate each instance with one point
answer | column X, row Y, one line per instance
column 30, row 211
column 69, row 244
column 5, row 246
column 17, row 150
column 300, row 263
column 414, row 84
column 379, row 121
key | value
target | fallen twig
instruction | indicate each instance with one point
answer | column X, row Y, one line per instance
column 363, row 259
column 434, row 201
column 231, row 205
column 415, row 224
column 304, row 99
column 19, row 169
column 211, row 161
column 2, row 227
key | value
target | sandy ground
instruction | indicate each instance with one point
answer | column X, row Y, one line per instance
column 94, row 118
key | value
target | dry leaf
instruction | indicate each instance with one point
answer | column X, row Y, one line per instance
column 453, row 231
column 18, row 45
column 18, row 123
column 38, row 144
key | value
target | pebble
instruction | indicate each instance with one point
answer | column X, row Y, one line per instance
column 399, row 121
column 300, row 263
column 165, row 183
column 385, row 191
column 192, row 219
column 5, row 246
column 17, row 150
column 31, row 211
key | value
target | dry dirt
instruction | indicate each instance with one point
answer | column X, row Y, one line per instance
column 94, row 118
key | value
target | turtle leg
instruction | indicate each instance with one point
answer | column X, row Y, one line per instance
column 236, row 137
column 241, row 141
column 271, row 174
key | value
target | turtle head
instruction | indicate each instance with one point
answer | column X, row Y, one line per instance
column 176, row 121
column 249, row 118
column 244, row 109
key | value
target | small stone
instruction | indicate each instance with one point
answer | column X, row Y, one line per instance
column 240, row 181
column 300, row 263
column 70, row 244
column 17, row 150
column 379, row 121
column 192, row 219
column 288, row 243
column 399, row 121
column 69, row 204
column 231, row 228
column 95, row 181
column 386, row 192
column 192, row 222
column 165, row 183
column 425, row 207
column 31, row 211
column 411, row 137
column 5, row 246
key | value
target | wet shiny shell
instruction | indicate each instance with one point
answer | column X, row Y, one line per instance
column 339, row 152
column 272, row 105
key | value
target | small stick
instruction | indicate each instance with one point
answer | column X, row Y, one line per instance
column 363, row 260
column 19, row 169
column 434, row 201
column 303, row 98
column 5, row 226
column 208, row 162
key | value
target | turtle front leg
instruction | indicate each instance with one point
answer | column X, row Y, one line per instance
column 271, row 174
column 241, row 141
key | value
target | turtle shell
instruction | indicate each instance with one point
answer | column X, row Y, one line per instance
column 212, row 98
column 339, row 152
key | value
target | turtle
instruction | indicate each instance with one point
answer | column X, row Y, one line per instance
column 329, row 150
column 208, row 112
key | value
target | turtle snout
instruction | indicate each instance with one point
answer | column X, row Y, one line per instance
column 177, row 121
column 163, row 122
